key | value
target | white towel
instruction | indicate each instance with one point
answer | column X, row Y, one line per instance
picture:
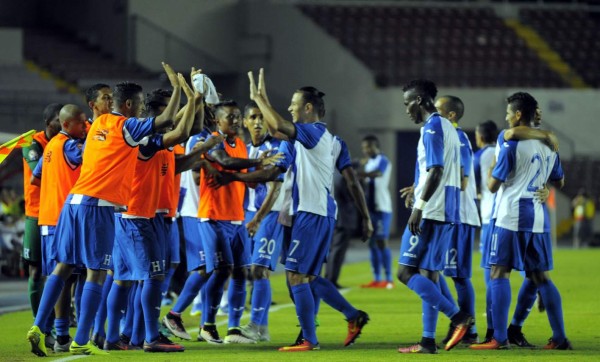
column 210, row 93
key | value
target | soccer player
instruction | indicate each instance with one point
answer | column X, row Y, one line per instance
column 459, row 252
column 56, row 174
column 140, row 243
column 434, row 216
column 376, row 172
column 99, row 98
column 314, row 210
column 104, row 183
column 32, row 252
column 223, row 236
column 521, row 237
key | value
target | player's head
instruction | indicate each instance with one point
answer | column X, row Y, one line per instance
column 253, row 121
column 73, row 121
column 486, row 133
column 307, row 105
column 537, row 119
column 156, row 102
column 51, row 119
column 99, row 98
column 370, row 146
column 228, row 117
column 128, row 99
column 520, row 109
column 450, row 107
column 418, row 98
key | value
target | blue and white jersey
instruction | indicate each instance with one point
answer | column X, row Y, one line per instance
column 378, row 188
column 287, row 164
column 468, row 206
column 256, row 196
column 439, row 146
column 342, row 159
column 524, row 167
column 498, row 194
column 190, row 191
column 313, row 177
column 483, row 160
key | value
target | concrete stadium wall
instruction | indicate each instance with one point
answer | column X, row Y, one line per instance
column 12, row 46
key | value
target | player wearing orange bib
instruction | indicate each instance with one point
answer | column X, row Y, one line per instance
column 85, row 230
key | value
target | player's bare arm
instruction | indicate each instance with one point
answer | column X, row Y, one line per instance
column 182, row 131
column 434, row 177
column 168, row 114
column 358, row 196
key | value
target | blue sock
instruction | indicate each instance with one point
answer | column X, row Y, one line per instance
column 213, row 290
column 305, row 309
column 265, row 319
column 49, row 298
column 444, row 289
column 203, row 297
column 127, row 318
column 116, row 302
column 101, row 315
column 386, row 260
column 167, row 282
column 430, row 317
column 261, row 300
column 329, row 293
column 376, row 262
column 90, row 296
column 237, row 299
column 466, row 298
column 49, row 322
column 488, row 298
column 190, row 290
column 138, row 333
column 77, row 297
column 553, row 303
column 62, row 326
column 317, row 300
column 430, row 293
column 525, row 301
column 501, row 295
column 151, row 306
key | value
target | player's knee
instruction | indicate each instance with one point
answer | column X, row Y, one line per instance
column 404, row 274
column 381, row 244
column 35, row 272
column 63, row 271
column 296, row 278
column 239, row 273
column 96, row 276
column 540, row 277
column 260, row 272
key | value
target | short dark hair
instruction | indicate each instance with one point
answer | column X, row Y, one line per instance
column 249, row 106
column 92, row 92
column 315, row 97
column 454, row 104
column 51, row 111
column 155, row 100
column 488, row 131
column 423, row 87
column 224, row 103
column 524, row 102
column 371, row 139
column 124, row 91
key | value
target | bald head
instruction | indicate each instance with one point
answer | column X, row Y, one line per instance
column 72, row 119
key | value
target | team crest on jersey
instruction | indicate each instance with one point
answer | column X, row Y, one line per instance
column 48, row 157
column 101, row 135
column 33, row 155
column 164, row 168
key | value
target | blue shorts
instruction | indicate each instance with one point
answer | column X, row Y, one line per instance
column 269, row 238
column 486, row 238
column 225, row 244
column 171, row 238
column 137, row 254
column 521, row 250
column 285, row 243
column 309, row 245
column 381, row 223
column 458, row 261
column 194, row 250
column 426, row 251
column 85, row 235
column 49, row 253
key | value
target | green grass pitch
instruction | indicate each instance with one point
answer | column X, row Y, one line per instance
column 395, row 320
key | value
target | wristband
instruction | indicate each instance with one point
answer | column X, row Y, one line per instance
column 420, row 204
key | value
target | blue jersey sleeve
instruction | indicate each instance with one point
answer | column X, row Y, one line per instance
column 135, row 129
column 433, row 141
column 506, row 160
column 37, row 171
column 149, row 146
column 500, row 138
column 309, row 134
column 477, row 166
column 383, row 164
column 556, row 174
column 466, row 155
column 288, row 152
column 343, row 161
column 417, row 173
column 73, row 150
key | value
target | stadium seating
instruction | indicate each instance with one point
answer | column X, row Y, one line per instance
column 454, row 46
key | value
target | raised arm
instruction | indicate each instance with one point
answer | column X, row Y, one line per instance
column 182, row 131
column 194, row 159
column 276, row 124
column 168, row 114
